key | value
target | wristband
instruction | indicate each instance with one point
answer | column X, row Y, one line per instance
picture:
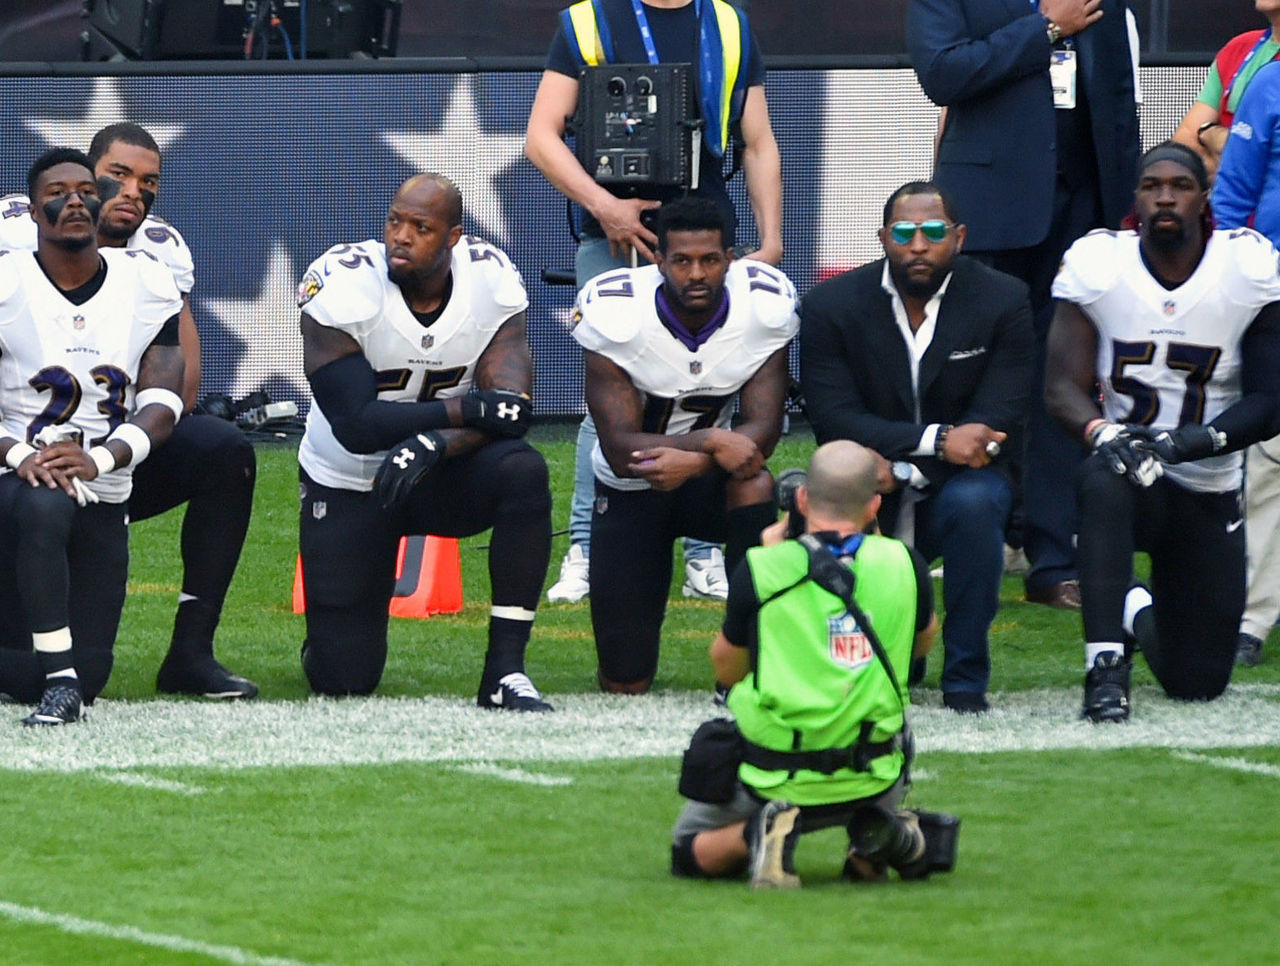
column 136, row 438
column 940, row 441
column 18, row 453
column 1090, row 427
column 103, row 459
column 160, row 397
column 1052, row 31
column 1204, row 127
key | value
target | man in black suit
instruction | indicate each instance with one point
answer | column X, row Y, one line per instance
column 926, row 357
column 1039, row 146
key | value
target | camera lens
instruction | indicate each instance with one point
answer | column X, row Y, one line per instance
column 617, row 86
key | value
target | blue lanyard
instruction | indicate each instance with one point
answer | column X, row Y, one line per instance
column 847, row 547
column 1266, row 35
column 646, row 34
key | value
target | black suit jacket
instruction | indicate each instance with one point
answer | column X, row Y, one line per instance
column 987, row 62
column 856, row 373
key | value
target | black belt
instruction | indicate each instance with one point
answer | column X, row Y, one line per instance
column 828, row 761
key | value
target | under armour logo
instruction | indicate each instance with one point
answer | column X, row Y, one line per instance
column 508, row 411
column 403, row 458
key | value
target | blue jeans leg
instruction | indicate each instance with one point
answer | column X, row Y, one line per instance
column 964, row 524
column 584, row 486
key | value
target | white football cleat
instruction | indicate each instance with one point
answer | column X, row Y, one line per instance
column 705, row 577
column 572, row 585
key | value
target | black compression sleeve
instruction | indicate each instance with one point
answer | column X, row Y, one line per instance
column 1256, row 416
column 346, row 390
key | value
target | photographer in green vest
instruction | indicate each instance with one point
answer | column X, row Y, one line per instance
column 817, row 638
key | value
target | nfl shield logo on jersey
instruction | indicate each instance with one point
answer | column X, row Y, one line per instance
column 695, row 368
column 77, row 322
column 319, row 509
column 311, row 284
column 1170, row 306
column 428, row 341
column 848, row 645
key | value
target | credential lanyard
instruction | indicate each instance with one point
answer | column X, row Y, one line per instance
column 1266, row 35
column 646, row 35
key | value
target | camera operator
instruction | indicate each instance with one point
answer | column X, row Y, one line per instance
column 818, row 694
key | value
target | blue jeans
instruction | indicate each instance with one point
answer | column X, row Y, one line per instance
column 964, row 524
column 594, row 258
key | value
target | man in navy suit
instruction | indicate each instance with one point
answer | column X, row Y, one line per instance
column 1039, row 146
column 926, row 357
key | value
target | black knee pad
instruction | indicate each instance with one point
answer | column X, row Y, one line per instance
column 527, row 484
column 42, row 512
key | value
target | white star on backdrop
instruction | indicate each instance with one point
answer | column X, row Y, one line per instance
column 105, row 106
column 268, row 324
column 489, row 154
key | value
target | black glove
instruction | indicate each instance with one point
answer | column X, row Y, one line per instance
column 407, row 465
column 1128, row 451
column 501, row 412
column 1190, row 442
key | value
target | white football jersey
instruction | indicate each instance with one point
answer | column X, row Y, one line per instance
column 1168, row 357
column 347, row 288
column 684, row 390
column 77, row 365
column 154, row 235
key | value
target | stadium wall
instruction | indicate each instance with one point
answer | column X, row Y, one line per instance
column 264, row 171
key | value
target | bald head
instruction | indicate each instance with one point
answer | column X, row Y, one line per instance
column 434, row 191
column 842, row 481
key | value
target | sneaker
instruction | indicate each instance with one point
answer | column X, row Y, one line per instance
column 1106, row 688
column 204, row 678
column 772, row 836
column 513, row 692
column 572, row 585
column 62, row 703
column 1248, row 651
column 704, row 577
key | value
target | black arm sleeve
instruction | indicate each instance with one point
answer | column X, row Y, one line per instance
column 924, row 590
column 346, row 390
column 1256, row 416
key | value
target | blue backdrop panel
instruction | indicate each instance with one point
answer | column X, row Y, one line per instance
column 262, row 173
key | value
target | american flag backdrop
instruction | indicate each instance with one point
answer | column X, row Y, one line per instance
column 263, row 172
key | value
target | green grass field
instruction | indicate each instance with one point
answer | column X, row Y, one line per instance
column 415, row 828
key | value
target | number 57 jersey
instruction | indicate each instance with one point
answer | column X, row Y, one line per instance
column 1169, row 357
column 75, row 362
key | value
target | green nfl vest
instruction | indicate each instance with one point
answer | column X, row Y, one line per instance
column 817, row 678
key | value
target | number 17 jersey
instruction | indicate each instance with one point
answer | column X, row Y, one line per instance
column 1169, row 357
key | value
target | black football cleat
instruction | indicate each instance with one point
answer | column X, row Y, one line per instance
column 1106, row 688
column 513, row 692
column 62, row 703
column 203, row 678
column 1248, row 651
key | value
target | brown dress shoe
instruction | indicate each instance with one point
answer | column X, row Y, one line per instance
column 1065, row 595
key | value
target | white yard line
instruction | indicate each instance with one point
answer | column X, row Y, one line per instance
column 178, row 944
column 132, row 735
column 1231, row 764
column 518, row 775
column 148, row 781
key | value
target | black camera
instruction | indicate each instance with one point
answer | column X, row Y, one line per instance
column 784, row 492
column 913, row 842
